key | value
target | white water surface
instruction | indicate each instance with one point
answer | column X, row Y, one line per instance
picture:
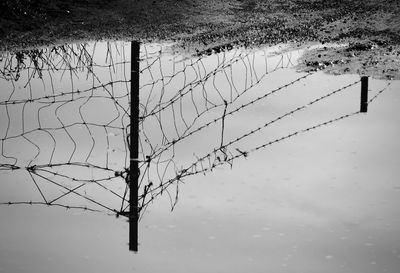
column 326, row 200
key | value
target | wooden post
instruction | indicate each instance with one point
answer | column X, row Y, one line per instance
column 134, row 148
column 364, row 94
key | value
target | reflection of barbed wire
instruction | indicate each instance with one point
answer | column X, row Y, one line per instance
column 379, row 92
column 222, row 155
column 222, row 118
column 72, row 116
column 225, row 153
column 212, row 160
column 70, row 168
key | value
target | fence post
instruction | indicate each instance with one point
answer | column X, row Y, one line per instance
column 134, row 148
column 364, row 94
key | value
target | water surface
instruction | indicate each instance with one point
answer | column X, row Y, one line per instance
column 296, row 180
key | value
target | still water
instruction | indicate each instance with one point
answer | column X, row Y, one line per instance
column 266, row 169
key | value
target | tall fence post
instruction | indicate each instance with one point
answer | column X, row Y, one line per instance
column 364, row 94
column 134, row 148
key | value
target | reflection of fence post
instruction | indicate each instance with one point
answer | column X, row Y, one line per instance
column 364, row 94
column 134, row 149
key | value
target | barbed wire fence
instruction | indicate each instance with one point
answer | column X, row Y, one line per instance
column 65, row 119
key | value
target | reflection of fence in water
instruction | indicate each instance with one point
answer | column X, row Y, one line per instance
column 65, row 118
column 68, row 124
column 54, row 124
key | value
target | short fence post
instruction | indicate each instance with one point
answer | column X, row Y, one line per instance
column 134, row 148
column 364, row 94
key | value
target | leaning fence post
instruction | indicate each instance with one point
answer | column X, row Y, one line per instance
column 364, row 94
column 134, row 148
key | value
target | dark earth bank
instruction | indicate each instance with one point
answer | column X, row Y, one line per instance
column 368, row 30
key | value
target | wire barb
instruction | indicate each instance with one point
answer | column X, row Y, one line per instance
column 68, row 110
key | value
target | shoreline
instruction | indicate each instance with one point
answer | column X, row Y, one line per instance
column 371, row 28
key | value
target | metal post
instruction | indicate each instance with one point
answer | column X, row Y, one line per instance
column 134, row 148
column 364, row 94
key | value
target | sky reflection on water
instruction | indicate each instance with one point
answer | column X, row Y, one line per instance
column 321, row 201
